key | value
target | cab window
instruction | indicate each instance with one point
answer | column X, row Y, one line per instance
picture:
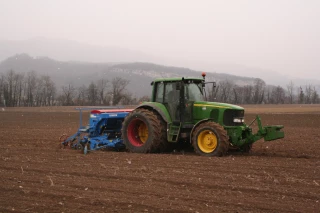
column 159, row 92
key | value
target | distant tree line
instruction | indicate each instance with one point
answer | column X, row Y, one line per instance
column 30, row 89
column 260, row 93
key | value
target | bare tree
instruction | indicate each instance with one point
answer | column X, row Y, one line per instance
column 92, row 94
column 102, row 85
column 8, row 88
column 45, row 91
column 248, row 92
column 314, row 96
column 290, row 88
column 127, row 99
column 238, row 94
column 225, row 91
column 12, row 86
column 49, row 90
column 268, row 96
column 39, row 96
column 1, row 89
column 278, row 95
column 19, row 78
column 82, row 94
column 308, row 94
column 30, row 85
column 68, row 92
column 301, row 96
column 258, row 92
column 118, row 88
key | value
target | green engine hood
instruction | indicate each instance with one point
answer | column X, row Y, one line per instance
column 213, row 110
column 205, row 104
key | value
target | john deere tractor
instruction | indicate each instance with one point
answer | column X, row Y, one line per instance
column 178, row 112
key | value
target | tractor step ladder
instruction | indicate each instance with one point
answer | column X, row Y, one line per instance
column 173, row 134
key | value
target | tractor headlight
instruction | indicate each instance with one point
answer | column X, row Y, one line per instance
column 238, row 120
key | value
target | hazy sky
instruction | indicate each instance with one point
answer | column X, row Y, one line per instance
column 280, row 35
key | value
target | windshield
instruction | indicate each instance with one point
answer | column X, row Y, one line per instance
column 193, row 92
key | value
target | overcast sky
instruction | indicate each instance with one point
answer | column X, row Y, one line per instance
column 280, row 35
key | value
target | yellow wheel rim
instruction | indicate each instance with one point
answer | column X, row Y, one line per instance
column 207, row 141
column 143, row 132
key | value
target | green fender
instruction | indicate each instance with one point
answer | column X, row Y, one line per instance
column 158, row 107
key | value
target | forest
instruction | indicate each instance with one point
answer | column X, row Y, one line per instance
column 30, row 89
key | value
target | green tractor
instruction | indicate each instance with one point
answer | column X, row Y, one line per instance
column 178, row 112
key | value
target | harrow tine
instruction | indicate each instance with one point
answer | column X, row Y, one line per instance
column 63, row 141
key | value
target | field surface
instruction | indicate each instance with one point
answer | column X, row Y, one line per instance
column 277, row 176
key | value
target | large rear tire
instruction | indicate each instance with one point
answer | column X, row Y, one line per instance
column 210, row 139
column 144, row 131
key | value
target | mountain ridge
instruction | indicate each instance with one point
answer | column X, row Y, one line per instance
column 140, row 74
column 69, row 50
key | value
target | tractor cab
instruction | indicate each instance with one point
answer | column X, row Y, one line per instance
column 178, row 96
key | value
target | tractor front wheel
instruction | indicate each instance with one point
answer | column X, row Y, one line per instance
column 210, row 139
column 143, row 131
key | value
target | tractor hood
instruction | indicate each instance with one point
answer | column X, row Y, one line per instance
column 221, row 113
column 205, row 104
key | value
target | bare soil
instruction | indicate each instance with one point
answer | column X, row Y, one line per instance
column 277, row 176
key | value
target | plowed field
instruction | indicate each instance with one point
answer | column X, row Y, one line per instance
column 277, row 176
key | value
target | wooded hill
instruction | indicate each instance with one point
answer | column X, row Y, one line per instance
column 139, row 74
column 28, row 81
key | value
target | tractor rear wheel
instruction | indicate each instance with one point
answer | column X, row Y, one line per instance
column 143, row 131
column 210, row 139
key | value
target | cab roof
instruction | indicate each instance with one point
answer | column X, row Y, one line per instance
column 177, row 79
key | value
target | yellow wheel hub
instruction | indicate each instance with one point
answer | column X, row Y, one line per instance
column 207, row 141
column 143, row 132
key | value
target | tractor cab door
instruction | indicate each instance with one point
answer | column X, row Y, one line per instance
column 192, row 92
column 187, row 105
column 178, row 97
column 171, row 101
column 168, row 95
